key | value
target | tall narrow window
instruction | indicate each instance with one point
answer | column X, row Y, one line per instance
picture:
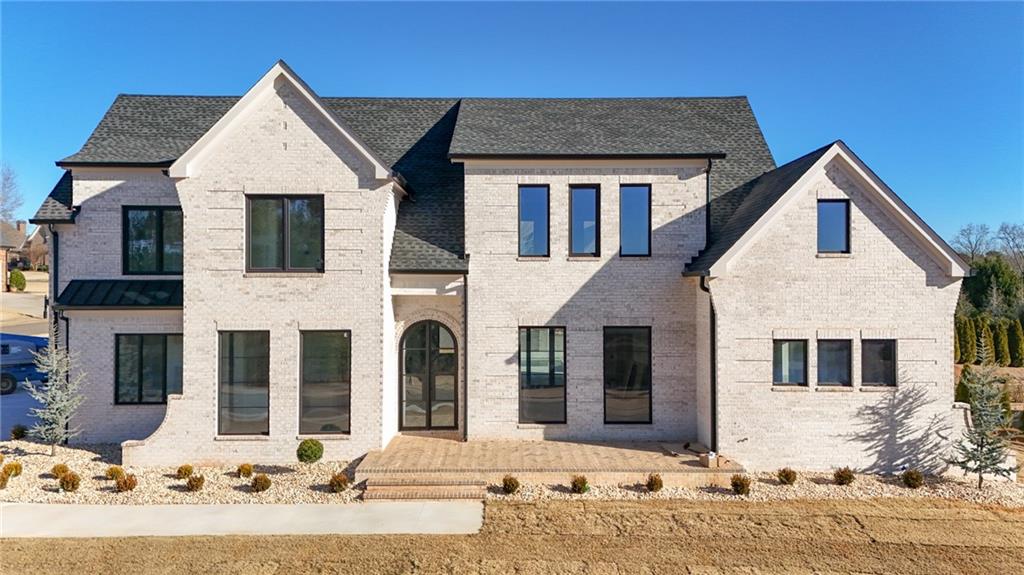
column 153, row 240
column 789, row 362
column 635, row 220
column 147, row 366
column 542, row 374
column 878, row 362
column 834, row 226
column 244, row 398
column 285, row 233
column 533, row 220
column 834, row 362
column 326, row 382
column 585, row 220
column 627, row 375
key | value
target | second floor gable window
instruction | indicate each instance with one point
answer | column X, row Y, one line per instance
column 153, row 240
column 834, row 226
column 285, row 233
column 533, row 221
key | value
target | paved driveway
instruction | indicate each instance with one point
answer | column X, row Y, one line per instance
column 14, row 410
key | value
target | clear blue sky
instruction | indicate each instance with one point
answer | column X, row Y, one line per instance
column 931, row 96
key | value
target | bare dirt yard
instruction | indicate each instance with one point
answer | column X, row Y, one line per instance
column 599, row 537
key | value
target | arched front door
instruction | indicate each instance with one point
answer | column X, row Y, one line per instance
column 429, row 364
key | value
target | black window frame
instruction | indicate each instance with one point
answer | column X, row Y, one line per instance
column 650, row 217
column 220, row 383
column 159, row 240
column 849, row 365
column 285, row 233
column 302, row 378
column 807, row 374
column 895, row 362
column 604, row 375
column 519, row 220
column 428, row 418
column 597, row 220
column 163, row 368
column 551, row 369
column 817, row 216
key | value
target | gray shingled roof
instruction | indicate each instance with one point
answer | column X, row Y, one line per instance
column 416, row 135
column 57, row 207
column 153, row 294
column 760, row 195
column 11, row 237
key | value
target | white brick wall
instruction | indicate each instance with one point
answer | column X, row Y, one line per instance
column 584, row 295
column 887, row 288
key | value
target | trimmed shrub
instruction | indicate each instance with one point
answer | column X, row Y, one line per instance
column 654, row 483
column 310, row 451
column 338, row 482
column 579, row 484
column 59, row 470
column 962, row 393
column 3, row 480
column 12, row 469
column 509, row 485
column 843, row 476
column 1001, row 342
column 968, row 343
column 260, row 483
column 19, row 431
column 786, row 476
column 184, row 472
column 740, row 484
column 126, row 483
column 195, row 482
column 912, row 478
column 1, row 458
column 245, row 470
column 115, row 472
column 956, row 341
column 17, row 280
column 1016, row 343
column 69, row 482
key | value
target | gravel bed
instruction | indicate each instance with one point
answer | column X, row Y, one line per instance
column 298, row 483
column 765, row 487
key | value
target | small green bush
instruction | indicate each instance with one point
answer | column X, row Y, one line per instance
column 184, row 471
column 310, row 451
column 245, row 470
column 740, row 484
column 654, row 483
column 17, row 280
column 912, row 478
column 59, row 470
column 12, row 469
column 579, row 484
column 19, row 431
column 786, row 476
column 338, row 482
column 260, row 483
column 115, row 472
column 509, row 485
column 126, row 483
column 195, row 482
column 843, row 476
column 70, row 481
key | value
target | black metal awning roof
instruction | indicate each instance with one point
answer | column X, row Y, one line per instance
column 121, row 294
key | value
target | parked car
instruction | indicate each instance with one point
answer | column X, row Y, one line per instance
column 17, row 362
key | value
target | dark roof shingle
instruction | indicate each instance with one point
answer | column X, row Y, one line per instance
column 58, row 206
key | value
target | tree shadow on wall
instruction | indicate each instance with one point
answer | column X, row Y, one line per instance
column 898, row 435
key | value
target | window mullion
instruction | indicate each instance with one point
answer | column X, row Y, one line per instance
column 551, row 357
column 159, row 240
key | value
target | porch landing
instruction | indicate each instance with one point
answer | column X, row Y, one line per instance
column 408, row 460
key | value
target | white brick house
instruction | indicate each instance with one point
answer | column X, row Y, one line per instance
column 237, row 274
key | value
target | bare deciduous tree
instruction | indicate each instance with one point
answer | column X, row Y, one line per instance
column 10, row 194
column 1011, row 243
column 973, row 241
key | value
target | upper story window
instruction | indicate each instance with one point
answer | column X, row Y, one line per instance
column 835, row 362
column 285, row 233
column 152, row 240
column 585, row 220
column 148, row 367
column 789, row 362
column 534, row 210
column 635, row 220
column 878, row 362
column 834, row 226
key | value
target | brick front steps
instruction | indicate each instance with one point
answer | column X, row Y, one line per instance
column 412, row 487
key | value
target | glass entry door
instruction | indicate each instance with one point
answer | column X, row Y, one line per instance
column 428, row 397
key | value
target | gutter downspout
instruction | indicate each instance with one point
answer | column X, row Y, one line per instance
column 707, row 207
column 55, row 271
column 713, row 347
column 465, row 355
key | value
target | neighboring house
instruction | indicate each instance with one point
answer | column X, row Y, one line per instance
column 12, row 239
column 34, row 249
column 239, row 273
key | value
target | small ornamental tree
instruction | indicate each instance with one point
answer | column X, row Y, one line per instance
column 984, row 333
column 1000, row 338
column 1016, row 343
column 982, row 450
column 59, row 398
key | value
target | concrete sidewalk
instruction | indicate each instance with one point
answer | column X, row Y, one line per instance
column 374, row 518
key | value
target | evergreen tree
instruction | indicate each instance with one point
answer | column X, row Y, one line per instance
column 961, row 394
column 995, row 303
column 984, row 333
column 982, row 450
column 59, row 398
column 969, row 343
column 1000, row 340
column 956, row 341
column 1016, row 342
